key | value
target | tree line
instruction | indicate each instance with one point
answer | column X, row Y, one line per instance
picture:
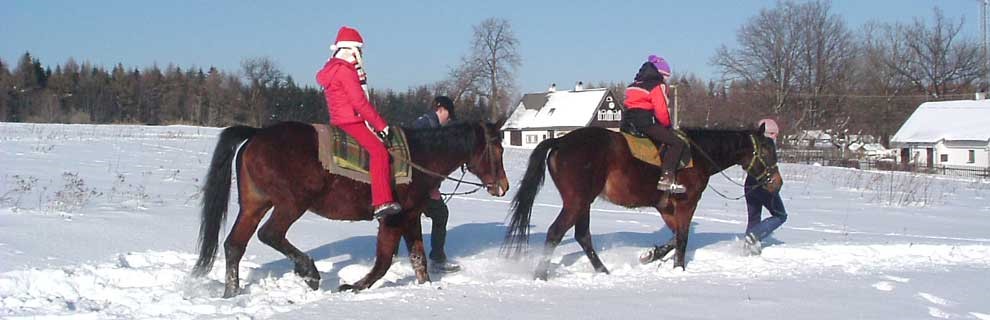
column 799, row 63
column 259, row 94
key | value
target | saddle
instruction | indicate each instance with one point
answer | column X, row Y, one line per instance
column 341, row 155
column 645, row 150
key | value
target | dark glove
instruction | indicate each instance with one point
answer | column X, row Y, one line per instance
column 384, row 135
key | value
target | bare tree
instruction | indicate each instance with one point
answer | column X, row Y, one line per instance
column 495, row 47
column 769, row 53
column 464, row 79
column 263, row 75
column 936, row 60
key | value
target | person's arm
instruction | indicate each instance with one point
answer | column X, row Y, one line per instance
column 658, row 97
column 363, row 107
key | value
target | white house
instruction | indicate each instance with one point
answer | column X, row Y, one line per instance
column 551, row 114
column 946, row 133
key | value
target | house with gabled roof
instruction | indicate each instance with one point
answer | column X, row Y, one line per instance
column 946, row 133
column 543, row 115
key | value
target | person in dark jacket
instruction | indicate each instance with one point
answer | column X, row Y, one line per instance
column 757, row 198
column 436, row 209
column 646, row 112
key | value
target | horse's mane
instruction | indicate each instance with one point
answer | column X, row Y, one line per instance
column 721, row 144
column 452, row 138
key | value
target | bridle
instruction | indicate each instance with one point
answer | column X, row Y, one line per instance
column 464, row 168
column 487, row 153
column 763, row 179
column 768, row 170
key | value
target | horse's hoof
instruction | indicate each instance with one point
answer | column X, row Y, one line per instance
column 542, row 275
column 313, row 283
column 348, row 288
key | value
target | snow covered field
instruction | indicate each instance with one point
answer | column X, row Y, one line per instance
column 101, row 221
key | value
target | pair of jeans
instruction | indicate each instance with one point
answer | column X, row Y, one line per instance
column 758, row 198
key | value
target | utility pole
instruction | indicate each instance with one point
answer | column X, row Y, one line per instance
column 676, row 121
column 984, row 8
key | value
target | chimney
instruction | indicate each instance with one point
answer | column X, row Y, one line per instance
column 553, row 88
column 579, row 86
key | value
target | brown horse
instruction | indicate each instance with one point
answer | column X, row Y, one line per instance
column 279, row 167
column 592, row 162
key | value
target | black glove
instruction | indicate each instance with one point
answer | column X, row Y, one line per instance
column 384, row 135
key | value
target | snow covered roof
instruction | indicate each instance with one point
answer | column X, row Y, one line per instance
column 556, row 109
column 948, row 120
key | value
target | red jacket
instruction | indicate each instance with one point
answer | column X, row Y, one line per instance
column 655, row 100
column 345, row 98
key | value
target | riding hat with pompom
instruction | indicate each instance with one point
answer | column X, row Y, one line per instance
column 661, row 64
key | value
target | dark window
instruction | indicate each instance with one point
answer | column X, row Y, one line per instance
column 972, row 156
column 944, row 158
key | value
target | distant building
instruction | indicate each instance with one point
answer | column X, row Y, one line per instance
column 946, row 133
column 555, row 113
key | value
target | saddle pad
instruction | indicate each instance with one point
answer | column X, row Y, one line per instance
column 341, row 155
column 645, row 150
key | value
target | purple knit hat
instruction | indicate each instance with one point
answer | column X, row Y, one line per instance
column 661, row 64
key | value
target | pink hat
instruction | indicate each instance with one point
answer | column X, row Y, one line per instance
column 347, row 37
column 771, row 129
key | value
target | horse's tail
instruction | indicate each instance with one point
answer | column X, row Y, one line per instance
column 517, row 233
column 216, row 194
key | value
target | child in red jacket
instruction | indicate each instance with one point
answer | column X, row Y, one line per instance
column 345, row 88
column 646, row 111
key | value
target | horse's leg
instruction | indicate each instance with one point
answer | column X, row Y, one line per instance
column 683, row 211
column 658, row 252
column 273, row 233
column 582, row 234
column 251, row 212
column 565, row 220
column 388, row 240
column 414, row 243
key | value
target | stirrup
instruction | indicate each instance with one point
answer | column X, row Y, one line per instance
column 672, row 187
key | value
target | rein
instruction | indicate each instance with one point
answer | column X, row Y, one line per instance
column 763, row 178
column 464, row 169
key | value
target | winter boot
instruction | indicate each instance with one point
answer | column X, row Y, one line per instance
column 387, row 209
column 445, row 266
column 752, row 245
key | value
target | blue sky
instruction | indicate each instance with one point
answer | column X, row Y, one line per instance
column 411, row 42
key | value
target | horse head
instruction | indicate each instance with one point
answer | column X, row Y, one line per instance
column 486, row 160
column 762, row 162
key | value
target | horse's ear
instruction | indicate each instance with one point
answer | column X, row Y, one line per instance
column 762, row 129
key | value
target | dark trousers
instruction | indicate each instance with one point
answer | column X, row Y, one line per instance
column 437, row 211
column 758, row 198
column 646, row 122
column 660, row 135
